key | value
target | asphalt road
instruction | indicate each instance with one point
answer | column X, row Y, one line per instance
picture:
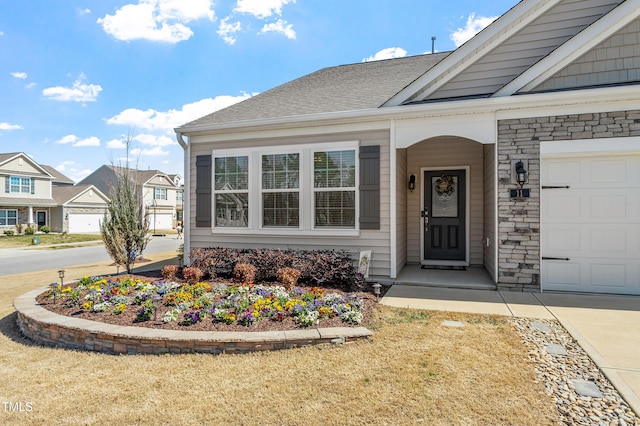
column 16, row 261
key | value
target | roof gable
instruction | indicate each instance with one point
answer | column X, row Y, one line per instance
column 70, row 194
column 506, row 49
column 21, row 163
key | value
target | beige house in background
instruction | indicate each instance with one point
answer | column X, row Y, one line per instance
column 157, row 188
column 517, row 154
column 38, row 195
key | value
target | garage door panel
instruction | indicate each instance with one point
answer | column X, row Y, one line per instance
column 594, row 223
column 82, row 223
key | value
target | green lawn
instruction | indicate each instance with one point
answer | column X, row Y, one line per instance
column 16, row 241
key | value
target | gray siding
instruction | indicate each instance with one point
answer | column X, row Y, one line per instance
column 489, row 225
column 445, row 152
column 616, row 60
column 376, row 240
column 527, row 47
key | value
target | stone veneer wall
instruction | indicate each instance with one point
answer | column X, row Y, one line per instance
column 519, row 219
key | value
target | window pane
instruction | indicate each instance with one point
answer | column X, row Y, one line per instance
column 231, row 173
column 232, row 210
column 335, row 209
column 281, row 209
column 334, row 169
column 280, row 171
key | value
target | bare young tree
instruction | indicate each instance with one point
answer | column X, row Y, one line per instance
column 125, row 225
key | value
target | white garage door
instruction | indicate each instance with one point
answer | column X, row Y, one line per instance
column 84, row 223
column 590, row 220
column 162, row 221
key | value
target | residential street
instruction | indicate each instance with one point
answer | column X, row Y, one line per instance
column 15, row 261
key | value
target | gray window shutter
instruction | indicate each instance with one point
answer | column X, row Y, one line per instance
column 7, row 181
column 370, row 187
column 203, row 191
column 33, row 185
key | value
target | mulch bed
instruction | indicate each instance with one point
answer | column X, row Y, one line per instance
column 127, row 318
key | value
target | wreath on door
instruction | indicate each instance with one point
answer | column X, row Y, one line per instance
column 445, row 187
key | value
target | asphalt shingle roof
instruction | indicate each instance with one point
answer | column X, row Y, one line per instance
column 336, row 89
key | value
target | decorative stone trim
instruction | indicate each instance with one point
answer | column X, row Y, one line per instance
column 51, row 329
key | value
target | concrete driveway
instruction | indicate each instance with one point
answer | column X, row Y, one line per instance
column 606, row 327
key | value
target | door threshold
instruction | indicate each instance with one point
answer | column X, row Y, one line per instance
column 445, row 267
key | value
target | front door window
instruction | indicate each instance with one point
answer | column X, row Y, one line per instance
column 41, row 218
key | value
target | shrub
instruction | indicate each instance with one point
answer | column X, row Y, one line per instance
column 19, row 228
column 192, row 274
column 169, row 272
column 45, row 229
column 319, row 267
column 288, row 277
column 244, row 273
column 9, row 232
column 29, row 230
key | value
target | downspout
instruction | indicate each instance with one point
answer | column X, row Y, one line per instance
column 186, row 197
column 393, row 202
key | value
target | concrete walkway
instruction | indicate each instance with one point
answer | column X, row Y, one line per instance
column 606, row 327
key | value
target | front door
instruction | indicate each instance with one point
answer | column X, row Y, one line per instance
column 444, row 215
column 41, row 218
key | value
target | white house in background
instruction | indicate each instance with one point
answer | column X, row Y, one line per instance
column 518, row 153
column 38, row 195
column 157, row 188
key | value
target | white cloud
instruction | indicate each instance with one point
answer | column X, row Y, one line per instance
column 78, row 92
column 156, row 20
column 152, row 152
column 76, row 141
column 227, row 31
column 20, row 75
column 388, row 53
column 90, row 141
column 30, row 85
column 280, row 27
column 261, row 8
column 116, row 144
column 63, row 166
column 474, row 25
column 155, row 140
column 9, row 126
column 166, row 121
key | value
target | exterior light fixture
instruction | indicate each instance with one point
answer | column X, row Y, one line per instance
column 61, row 276
column 412, row 182
column 156, row 303
column 521, row 177
column 54, row 291
column 376, row 289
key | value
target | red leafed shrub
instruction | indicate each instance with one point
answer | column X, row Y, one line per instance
column 317, row 267
column 169, row 272
column 288, row 277
column 244, row 273
column 192, row 275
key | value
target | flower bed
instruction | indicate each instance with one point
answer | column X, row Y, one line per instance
column 215, row 306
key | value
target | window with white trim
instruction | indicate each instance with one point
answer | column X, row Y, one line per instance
column 159, row 193
column 20, row 185
column 334, row 181
column 8, row 217
column 281, row 189
column 231, row 191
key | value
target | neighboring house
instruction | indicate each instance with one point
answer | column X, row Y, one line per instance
column 157, row 188
column 177, row 180
column 38, row 195
column 418, row 158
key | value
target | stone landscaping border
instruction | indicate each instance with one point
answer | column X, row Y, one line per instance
column 51, row 329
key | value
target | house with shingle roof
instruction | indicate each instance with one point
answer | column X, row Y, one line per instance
column 515, row 157
column 38, row 195
column 158, row 192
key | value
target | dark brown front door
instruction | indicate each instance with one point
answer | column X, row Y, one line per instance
column 444, row 215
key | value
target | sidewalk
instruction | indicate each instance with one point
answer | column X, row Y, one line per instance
column 606, row 327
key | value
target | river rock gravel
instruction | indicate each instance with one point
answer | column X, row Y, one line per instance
column 562, row 372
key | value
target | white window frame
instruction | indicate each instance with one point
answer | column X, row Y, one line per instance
column 158, row 193
column 298, row 190
column 337, row 189
column 6, row 218
column 306, row 190
column 21, row 185
column 214, row 191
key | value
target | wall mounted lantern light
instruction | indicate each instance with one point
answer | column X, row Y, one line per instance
column 412, row 182
column 520, row 178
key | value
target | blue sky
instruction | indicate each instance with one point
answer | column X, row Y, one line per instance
column 78, row 76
